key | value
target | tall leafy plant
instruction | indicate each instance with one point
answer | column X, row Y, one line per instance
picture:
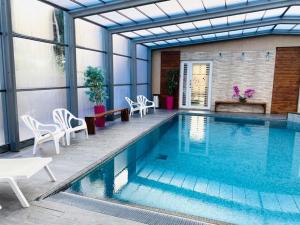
column 172, row 81
column 94, row 80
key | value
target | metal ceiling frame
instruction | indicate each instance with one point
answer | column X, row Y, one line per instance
column 215, row 13
column 218, row 29
column 234, row 37
column 108, row 7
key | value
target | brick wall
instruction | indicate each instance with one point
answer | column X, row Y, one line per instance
column 169, row 60
column 286, row 80
column 254, row 69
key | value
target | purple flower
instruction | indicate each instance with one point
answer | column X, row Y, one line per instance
column 236, row 91
column 249, row 93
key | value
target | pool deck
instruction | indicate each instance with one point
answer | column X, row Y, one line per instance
column 74, row 160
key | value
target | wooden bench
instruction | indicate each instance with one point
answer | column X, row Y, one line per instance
column 90, row 120
column 262, row 104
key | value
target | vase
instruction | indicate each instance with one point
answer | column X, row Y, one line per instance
column 169, row 102
column 242, row 99
column 100, row 122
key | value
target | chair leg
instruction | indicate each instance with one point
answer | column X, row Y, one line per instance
column 68, row 138
column 18, row 192
column 50, row 174
column 56, row 144
column 35, row 147
column 86, row 133
column 141, row 113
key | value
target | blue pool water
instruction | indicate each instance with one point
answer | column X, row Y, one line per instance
column 227, row 169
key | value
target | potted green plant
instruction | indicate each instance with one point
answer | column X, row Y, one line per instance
column 172, row 82
column 94, row 81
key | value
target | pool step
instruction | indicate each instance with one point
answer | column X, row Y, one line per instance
column 124, row 211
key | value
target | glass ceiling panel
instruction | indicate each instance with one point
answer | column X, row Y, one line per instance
column 172, row 41
column 134, row 14
column 184, row 39
column 150, row 44
column 235, row 2
column 194, row 38
column 297, row 28
column 143, row 33
column 255, row 15
column 191, row 6
column 211, row 4
column 157, row 30
column 202, row 24
column 250, row 30
column 186, row 26
column 100, row 20
column 218, row 21
column 235, row 32
column 116, row 17
column 293, row 11
column 208, row 36
column 130, row 34
column 265, row 28
column 284, row 26
column 65, row 4
column 88, row 2
column 171, row 28
column 152, row 11
column 171, row 7
column 274, row 12
column 236, row 18
column 223, row 34
column 160, row 42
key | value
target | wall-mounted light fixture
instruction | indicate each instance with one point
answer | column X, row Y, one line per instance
column 268, row 56
column 220, row 54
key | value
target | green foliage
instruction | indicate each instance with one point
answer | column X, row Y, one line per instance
column 172, row 81
column 94, row 80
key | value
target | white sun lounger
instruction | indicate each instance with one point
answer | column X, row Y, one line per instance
column 12, row 170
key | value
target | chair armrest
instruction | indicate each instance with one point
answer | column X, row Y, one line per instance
column 79, row 119
column 44, row 127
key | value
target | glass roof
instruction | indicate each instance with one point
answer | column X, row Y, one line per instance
column 242, row 24
column 226, row 35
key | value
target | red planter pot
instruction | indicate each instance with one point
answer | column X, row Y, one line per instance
column 169, row 102
column 100, row 122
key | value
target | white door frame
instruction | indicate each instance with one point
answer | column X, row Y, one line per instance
column 190, row 63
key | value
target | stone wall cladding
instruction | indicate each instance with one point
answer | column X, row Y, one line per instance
column 253, row 69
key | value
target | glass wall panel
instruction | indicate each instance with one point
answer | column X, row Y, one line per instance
column 142, row 90
column 142, row 71
column 121, row 45
column 141, row 52
column 85, row 107
column 39, row 64
column 89, row 35
column 37, row 19
column 121, row 69
column 87, row 58
column 39, row 104
column 120, row 92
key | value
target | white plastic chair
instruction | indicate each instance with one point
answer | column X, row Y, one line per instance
column 43, row 132
column 12, row 170
column 64, row 118
column 146, row 103
column 134, row 106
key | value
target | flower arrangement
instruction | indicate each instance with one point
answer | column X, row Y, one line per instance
column 248, row 93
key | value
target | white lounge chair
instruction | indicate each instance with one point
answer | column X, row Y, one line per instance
column 146, row 103
column 64, row 118
column 134, row 106
column 43, row 132
column 12, row 170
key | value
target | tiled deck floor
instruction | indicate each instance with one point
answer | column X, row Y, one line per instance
column 81, row 154
column 73, row 160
